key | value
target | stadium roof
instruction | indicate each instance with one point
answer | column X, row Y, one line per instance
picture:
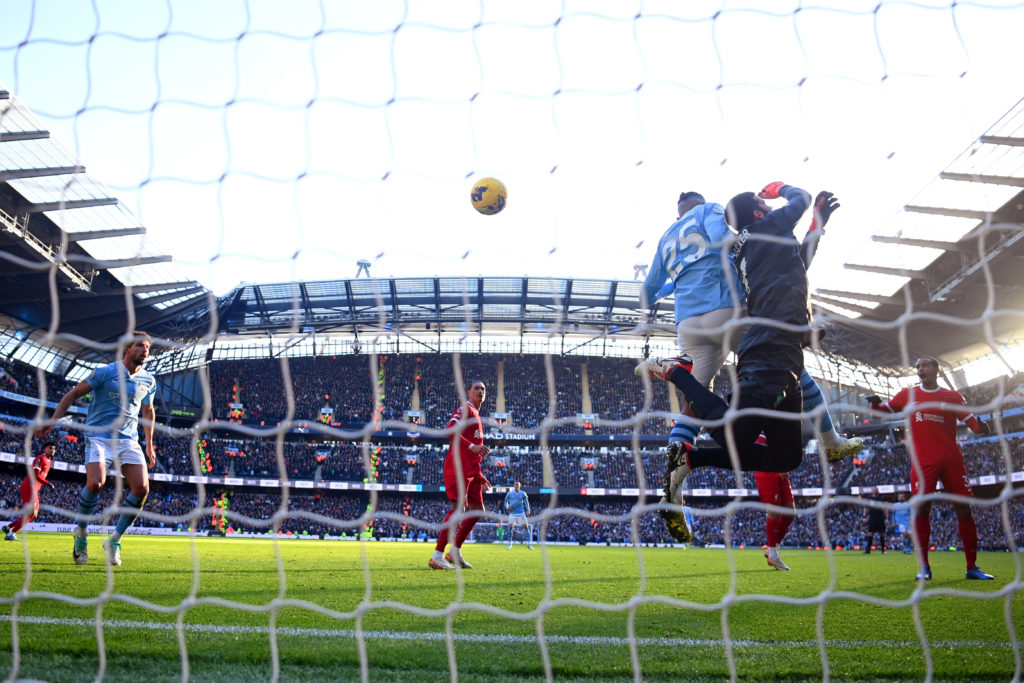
column 504, row 305
column 953, row 256
column 58, row 222
column 940, row 278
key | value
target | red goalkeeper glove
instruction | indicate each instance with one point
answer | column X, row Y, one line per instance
column 771, row 190
column 824, row 205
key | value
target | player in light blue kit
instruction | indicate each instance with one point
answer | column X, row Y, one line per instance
column 517, row 505
column 693, row 262
column 122, row 393
column 901, row 520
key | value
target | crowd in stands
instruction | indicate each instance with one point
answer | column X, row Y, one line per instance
column 536, row 388
column 616, row 393
column 360, row 389
column 1010, row 388
column 569, row 466
column 573, row 520
column 21, row 378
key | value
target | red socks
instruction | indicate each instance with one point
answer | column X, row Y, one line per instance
column 969, row 535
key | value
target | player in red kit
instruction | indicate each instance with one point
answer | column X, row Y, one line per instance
column 936, row 456
column 773, row 488
column 463, row 481
column 30, row 490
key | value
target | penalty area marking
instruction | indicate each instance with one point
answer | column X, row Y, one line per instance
column 509, row 639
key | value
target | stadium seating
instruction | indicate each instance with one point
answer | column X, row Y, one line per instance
column 347, row 384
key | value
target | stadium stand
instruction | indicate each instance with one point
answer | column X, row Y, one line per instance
column 424, row 383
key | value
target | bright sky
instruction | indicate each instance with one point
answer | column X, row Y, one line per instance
column 270, row 141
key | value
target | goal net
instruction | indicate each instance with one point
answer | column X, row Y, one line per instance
column 279, row 194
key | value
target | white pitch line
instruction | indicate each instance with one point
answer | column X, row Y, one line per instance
column 509, row 639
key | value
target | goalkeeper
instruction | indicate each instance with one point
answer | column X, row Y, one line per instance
column 772, row 270
column 692, row 257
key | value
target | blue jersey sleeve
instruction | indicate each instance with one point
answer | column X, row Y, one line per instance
column 798, row 202
column 147, row 400
column 655, row 285
column 100, row 376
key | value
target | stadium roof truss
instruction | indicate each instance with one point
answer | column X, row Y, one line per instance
column 511, row 306
column 65, row 240
column 942, row 277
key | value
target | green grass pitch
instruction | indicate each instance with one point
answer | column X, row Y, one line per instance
column 241, row 609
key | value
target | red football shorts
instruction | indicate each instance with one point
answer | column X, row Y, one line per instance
column 30, row 495
column 953, row 476
column 474, row 489
column 773, row 488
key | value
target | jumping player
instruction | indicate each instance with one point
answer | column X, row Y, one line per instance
column 932, row 414
column 517, row 505
column 773, row 275
column 463, row 481
column 30, row 490
column 122, row 393
column 691, row 256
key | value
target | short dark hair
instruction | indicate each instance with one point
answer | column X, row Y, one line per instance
column 934, row 361
column 138, row 336
column 48, row 444
column 739, row 212
column 687, row 196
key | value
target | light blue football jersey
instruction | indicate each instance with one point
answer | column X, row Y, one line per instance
column 901, row 514
column 108, row 410
column 517, row 503
column 693, row 256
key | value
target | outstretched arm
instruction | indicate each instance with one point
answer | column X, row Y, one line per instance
column 877, row 406
column 825, row 205
column 41, row 479
column 797, row 202
column 80, row 390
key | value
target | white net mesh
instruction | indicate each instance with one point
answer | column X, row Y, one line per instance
column 265, row 142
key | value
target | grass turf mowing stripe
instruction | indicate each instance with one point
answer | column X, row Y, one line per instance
column 493, row 639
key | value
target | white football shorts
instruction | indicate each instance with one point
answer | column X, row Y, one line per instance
column 517, row 519
column 124, row 451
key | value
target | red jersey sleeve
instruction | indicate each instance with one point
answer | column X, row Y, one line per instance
column 897, row 402
column 41, row 467
column 456, row 416
column 961, row 410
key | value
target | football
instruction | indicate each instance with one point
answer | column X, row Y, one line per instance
column 488, row 196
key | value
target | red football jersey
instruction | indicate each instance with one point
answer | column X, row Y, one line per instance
column 41, row 465
column 932, row 428
column 472, row 432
